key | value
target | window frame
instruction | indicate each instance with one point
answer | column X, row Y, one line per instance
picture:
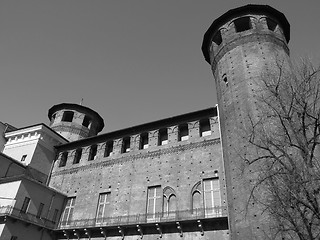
column 104, row 205
column 156, row 200
column 24, row 157
column 68, row 211
column 40, row 210
column 215, row 208
column 25, row 205
column 67, row 116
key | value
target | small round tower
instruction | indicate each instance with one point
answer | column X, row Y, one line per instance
column 240, row 46
column 75, row 122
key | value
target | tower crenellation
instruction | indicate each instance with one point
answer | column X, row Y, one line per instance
column 75, row 122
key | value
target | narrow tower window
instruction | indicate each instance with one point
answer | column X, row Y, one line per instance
column 77, row 156
column 125, row 145
column 109, row 149
column 53, row 117
column 67, row 116
column 271, row 24
column 217, row 39
column 23, row 158
column 63, row 160
column 225, row 79
column 93, row 152
column 205, row 129
column 86, row 121
column 242, row 24
column 163, row 136
column 183, row 132
column 144, row 141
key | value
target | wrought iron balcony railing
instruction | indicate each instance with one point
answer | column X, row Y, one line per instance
column 26, row 217
column 172, row 216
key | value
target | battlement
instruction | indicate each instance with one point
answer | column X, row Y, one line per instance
column 247, row 23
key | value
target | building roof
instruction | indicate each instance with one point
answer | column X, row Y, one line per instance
column 250, row 8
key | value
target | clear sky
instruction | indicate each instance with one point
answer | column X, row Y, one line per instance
column 131, row 61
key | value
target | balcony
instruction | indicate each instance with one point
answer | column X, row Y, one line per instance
column 127, row 220
column 27, row 218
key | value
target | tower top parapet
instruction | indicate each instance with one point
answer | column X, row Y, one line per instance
column 74, row 121
column 242, row 11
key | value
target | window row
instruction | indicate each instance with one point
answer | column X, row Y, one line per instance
column 25, row 208
column 126, row 146
column 69, row 115
column 243, row 24
column 205, row 198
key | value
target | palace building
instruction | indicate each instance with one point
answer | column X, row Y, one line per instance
column 175, row 178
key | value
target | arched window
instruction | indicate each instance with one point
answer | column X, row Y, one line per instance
column 196, row 201
column 169, row 202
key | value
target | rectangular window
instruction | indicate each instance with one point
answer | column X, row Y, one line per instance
column 67, row 116
column 242, row 24
column 93, row 152
column 77, row 156
column 205, row 129
column 86, row 121
column 25, row 205
column 125, row 145
column 109, row 149
column 68, row 211
column 40, row 210
column 23, row 158
column 63, row 160
column 154, row 202
column 103, row 206
column 55, row 215
column 144, row 141
column 212, row 198
column 163, row 137
column 271, row 24
column 217, row 38
column 183, row 132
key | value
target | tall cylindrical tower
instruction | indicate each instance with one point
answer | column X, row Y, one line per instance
column 75, row 122
column 241, row 45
